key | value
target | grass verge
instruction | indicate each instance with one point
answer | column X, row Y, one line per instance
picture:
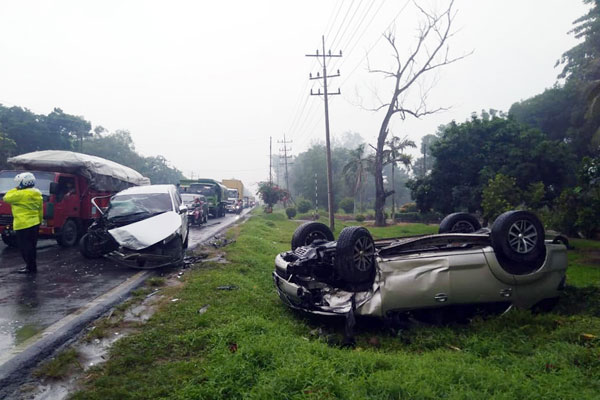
column 244, row 343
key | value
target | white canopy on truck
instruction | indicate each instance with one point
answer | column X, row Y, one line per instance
column 103, row 175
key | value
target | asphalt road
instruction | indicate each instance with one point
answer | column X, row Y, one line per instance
column 65, row 283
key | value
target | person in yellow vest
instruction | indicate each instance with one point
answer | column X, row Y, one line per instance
column 28, row 209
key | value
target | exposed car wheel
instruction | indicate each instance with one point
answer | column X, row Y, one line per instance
column 68, row 234
column 308, row 232
column 459, row 223
column 355, row 255
column 10, row 240
column 90, row 246
column 175, row 249
column 518, row 241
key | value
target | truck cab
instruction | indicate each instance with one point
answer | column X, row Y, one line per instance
column 67, row 209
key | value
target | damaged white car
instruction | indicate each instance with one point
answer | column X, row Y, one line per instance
column 460, row 268
column 143, row 227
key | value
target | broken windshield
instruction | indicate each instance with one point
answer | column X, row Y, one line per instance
column 139, row 205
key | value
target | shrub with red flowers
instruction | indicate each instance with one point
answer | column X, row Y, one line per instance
column 271, row 193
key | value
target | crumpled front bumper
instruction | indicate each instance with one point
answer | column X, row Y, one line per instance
column 333, row 301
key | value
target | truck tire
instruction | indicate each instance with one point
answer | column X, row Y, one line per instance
column 10, row 240
column 88, row 248
column 459, row 223
column 518, row 241
column 355, row 255
column 308, row 232
column 69, row 234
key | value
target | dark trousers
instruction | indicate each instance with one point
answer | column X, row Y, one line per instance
column 27, row 241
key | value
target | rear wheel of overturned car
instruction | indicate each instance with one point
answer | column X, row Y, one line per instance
column 518, row 241
column 68, row 235
column 90, row 246
column 355, row 255
column 308, row 232
column 459, row 223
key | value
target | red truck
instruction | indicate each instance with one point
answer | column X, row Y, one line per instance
column 68, row 181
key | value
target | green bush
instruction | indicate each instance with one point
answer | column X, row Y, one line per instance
column 303, row 206
column 426, row 218
column 347, row 204
column 359, row 218
column 290, row 212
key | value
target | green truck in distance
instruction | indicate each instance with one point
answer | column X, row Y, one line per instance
column 215, row 193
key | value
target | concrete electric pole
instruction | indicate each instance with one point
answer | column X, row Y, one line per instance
column 326, row 94
column 285, row 157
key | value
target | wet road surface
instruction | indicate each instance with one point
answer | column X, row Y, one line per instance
column 65, row 282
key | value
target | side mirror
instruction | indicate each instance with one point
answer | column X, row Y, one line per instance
column 53, row 188
column 183, row 209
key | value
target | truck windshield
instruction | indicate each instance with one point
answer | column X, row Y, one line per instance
column 202, row 189
column 139, row 205
column 42, row 181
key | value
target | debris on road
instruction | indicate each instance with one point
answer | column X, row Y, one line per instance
column 220, row 241
column 203, row 309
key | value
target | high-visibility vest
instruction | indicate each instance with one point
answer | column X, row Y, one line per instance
column 27, row 207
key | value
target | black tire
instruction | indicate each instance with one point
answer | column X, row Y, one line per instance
column 518, row 241
column 308, row 232
column 69, row 234
column 175, row 250
column 459, row 223
column 355, row 255
column 10, row 241
column 88, row 248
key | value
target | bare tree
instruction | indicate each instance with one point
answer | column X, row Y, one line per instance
column 431, row 52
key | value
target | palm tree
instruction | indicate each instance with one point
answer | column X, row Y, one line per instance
column 394, row 154
column 355, row 170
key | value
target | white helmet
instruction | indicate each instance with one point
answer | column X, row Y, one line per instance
column 25, row 180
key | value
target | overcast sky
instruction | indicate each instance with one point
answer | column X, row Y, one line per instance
column 205, row 83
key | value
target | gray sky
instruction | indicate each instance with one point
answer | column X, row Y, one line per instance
column 205, row 83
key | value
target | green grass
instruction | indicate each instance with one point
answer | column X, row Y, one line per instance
column 59, row 366
column 249, row 345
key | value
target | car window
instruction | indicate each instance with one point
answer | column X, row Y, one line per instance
column 177, row 199
column 139, row 204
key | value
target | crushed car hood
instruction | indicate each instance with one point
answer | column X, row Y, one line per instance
column 147, row 232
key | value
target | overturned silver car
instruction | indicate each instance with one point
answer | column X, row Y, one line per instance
column 463, row 265
column 143, row 227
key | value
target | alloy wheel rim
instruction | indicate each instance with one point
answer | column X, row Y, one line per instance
column 364, row 249
column 522, row 236
column 314, row 236
column 463, row 227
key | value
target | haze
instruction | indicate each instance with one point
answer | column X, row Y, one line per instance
column 206, row 84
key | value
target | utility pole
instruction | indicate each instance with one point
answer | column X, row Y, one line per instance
column 316, row 195
column 270, row 161
column 326, row 95
column 285, row 158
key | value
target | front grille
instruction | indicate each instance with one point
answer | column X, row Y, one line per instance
column 6, row 219
column 301, row 251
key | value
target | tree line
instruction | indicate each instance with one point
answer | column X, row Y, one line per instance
column 22, row 131
column 544, row 154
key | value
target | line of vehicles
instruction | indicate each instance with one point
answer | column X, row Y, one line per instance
column 110, row 209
